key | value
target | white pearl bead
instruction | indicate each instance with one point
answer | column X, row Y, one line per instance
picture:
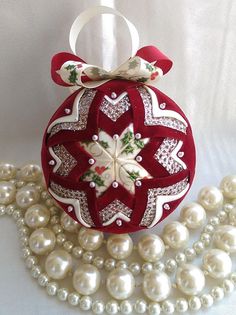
column 140, row 306
column 207, row 300
column 58, row 263
column 62, row 294
column 193, row 215
column 217, row 263
column 170, row 265
column 180, row 258
column 232, row 216
column 225, row 238
column 151, row 247
column 85, row 303
column 68, row 224
column 175, row 235
column 233, row 277
column 126, row 307
column 98, row 262
column 190, row 279
column 210, row 198
column 190, row 253
column 35, row 272
column 119, row 246
column 156, row 285
column 7, row 171
column 31, row 261
column 158, row 265
column 2, row 210
column 73, row 298
column 30, row 173
column 52, row 288
column 194, row 303
column 135, row 268
column 181, row 305
column 112, row 307
column 217, row 293
column 86, row 279
column 228, row 186
column 98, row 307
column 110, row 264
column 228, row 286
column 7, row 192
column 90, row 239
column 168, row 307
column 147, row 267
column 120, row 284
column 42, row 241
column 43, row 280
column 27, row 196
column 37, row 216
column 154, row 309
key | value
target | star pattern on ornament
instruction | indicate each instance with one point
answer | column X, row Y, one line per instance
column 115, row 160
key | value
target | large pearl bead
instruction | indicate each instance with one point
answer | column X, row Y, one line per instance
column 211, row 198
column 7, row 171
column 225, row 238
column 42, row 241
column 7, row 192
column 217, row 263
column 58, row 263
column 37, row 216
column 120, row 284
column 90, row 239
column 86, row 279
column 30, row 173
column 175, row 235
column 156, row 285
column 193, row 215
column 151, row 247
column 68, row 223
column 190, row 279
column 228, row 186
column 119, row 246
column 27, row 196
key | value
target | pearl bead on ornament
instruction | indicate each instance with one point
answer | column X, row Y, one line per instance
column 120, row 283
column 58, row 263
column 175, row 235
column 86, row 279
column 190, row 279
column 68, row 223
column 151, row 247
column 42, row 241
column 156, row 285
column 217, row 263
column 37, row 216
column 7, row 192
column 90, row 239
column 228, row 186
column 27, row 196
column 193, row 215
column 225, row 238
column 119, row 246
column 211, row 198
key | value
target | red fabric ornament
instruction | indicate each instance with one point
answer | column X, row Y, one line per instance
column 119, row 157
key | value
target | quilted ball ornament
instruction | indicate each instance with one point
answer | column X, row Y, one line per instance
column 118, row 155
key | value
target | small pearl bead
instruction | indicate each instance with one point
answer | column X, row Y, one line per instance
column 98, row 307
column 37, row 216
column 225, row 238
column 217, row 293
column 140, row 306
column 210, row 198
column 70, row 208
column 162, row 105
column 85, row 303
column 207, row 300
column 86, row 279
column 42, row 241
column 190, row 279
column 198, row 247
column 58, row 264
column 112, row 307
column 115, row 184
column 91, row 161
column 170, row 265
column 194, row 303
column 92, row 184
column 138, row 158
column 67, row 111
column 95, row 137
column 156, row 285
column 209, row 229
column 7, row 192
column 43, row 280
column 135, row 268
column 122, row 264
column 154, row 309
column 90, row 239
column 113, row 95
column 98, row 262
column 115, row 137
column 61, row 238
column 35, row 272
column 119, row 246
column 31, row 261
column 151, row 247
column 77, row 252
column 175, row 235
column 109, row 264
column 228, row 186
column 206, row 239
column 180, row 258
column 168, row 307
column 158, row 265
column 120, row 284
column 233, row 277
column 68, row 224
column 181, row 305
column 2, row 210
column 147, row 267
column 62, row 294
column 228, row 286
column 126, row 307
column 73, row 298
column 26, row 252
column 10, row 209
column 138, row 136
column 52, row 288
column 51, row 162
column 190, row 253
column 87, row 257
column 138, row 183
column 222, row 215
column 193, row 215
column 217, row 263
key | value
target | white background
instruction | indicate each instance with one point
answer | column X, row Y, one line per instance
column 199, row 36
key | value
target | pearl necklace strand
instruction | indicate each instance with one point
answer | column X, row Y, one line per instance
column 56, row 248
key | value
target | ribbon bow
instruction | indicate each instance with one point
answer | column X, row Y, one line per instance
column 146, row 67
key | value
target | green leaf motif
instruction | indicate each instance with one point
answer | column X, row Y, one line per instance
column 133, row 175
column 142, row 80
column 128, row 136
column 104, row 144
column 70, row 67
column 128, row 149
column 86, row 174
column 149, row 67
column 73, row 76
column 139, row 143
column 97, row 180
column 133, row 64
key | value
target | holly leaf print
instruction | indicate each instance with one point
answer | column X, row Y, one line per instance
column 73, row 76
column 149, row 67
column 70, row 67
column 133, row 175
column 133, row 64
column 88, row 173
column 128, row 149
column 142, row 80
column 104, row 144
column 97, row 180
column 128, row 136
column 139, row 143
